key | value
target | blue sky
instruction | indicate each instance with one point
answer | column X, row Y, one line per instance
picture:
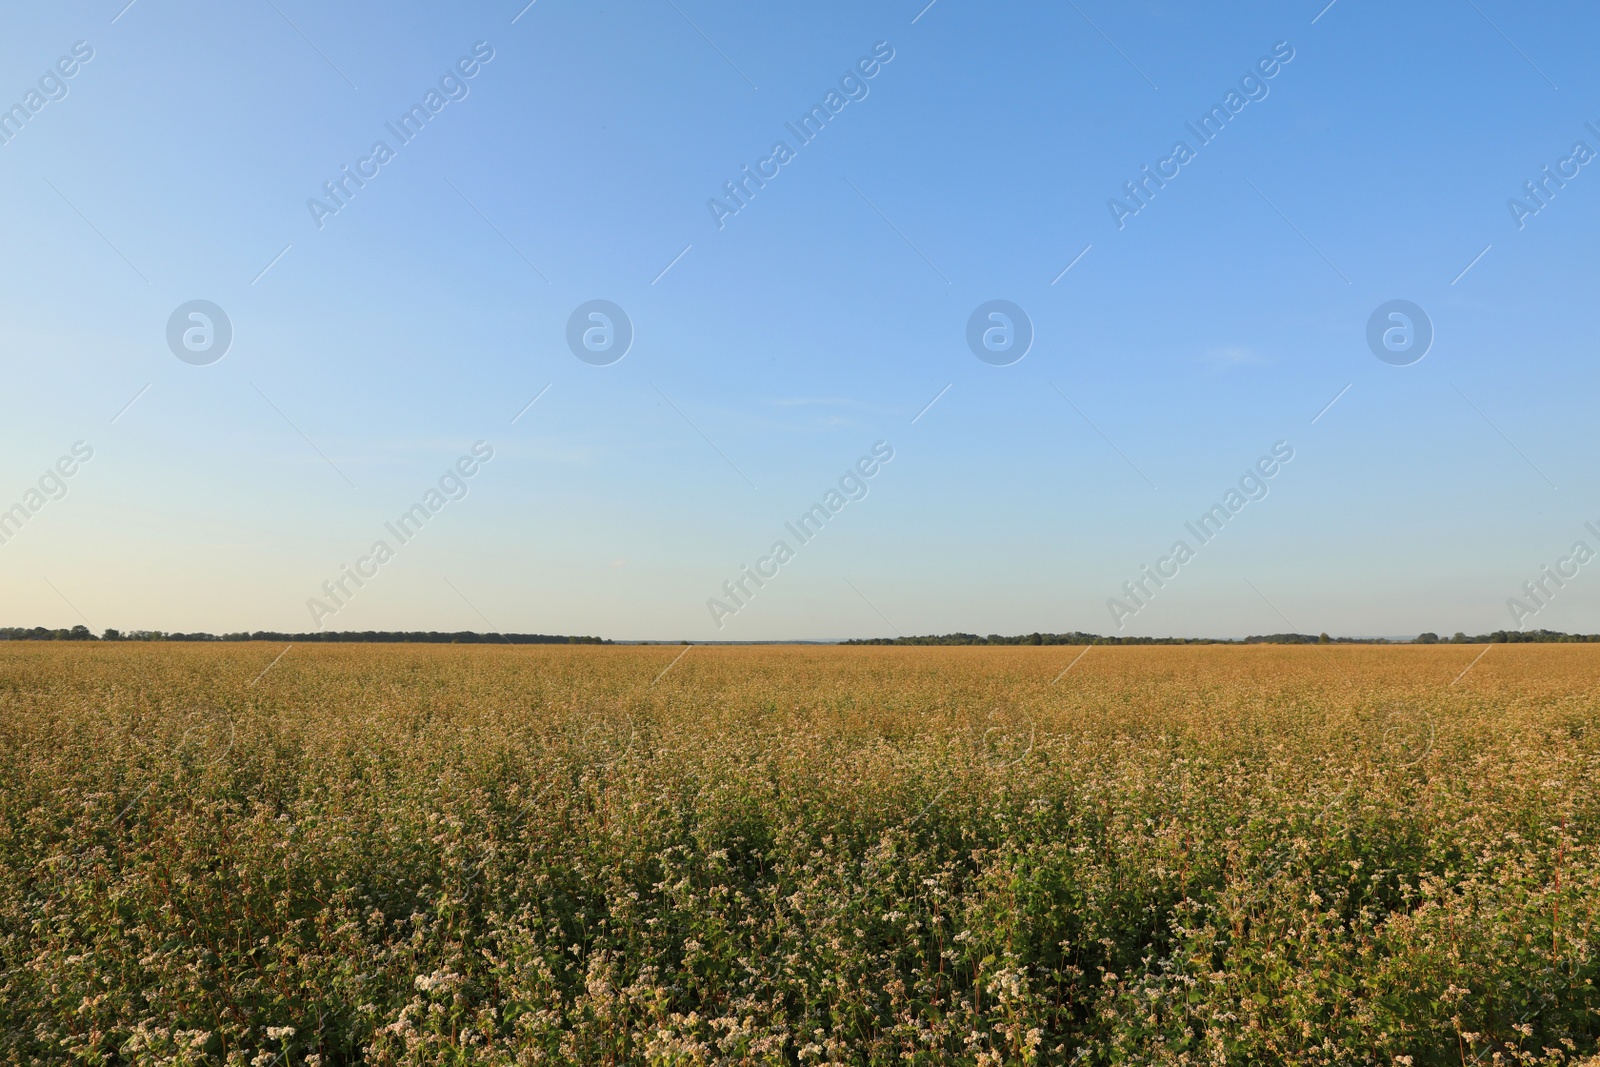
column 772, row 353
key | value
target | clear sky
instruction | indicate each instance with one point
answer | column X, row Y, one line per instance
column 1369, row 154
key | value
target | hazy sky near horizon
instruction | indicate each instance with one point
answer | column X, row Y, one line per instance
column 380, row 331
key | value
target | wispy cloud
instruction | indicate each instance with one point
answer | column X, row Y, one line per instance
column 820, row 401
column 1226, row 357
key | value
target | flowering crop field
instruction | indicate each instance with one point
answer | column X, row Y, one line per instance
column 406, row 854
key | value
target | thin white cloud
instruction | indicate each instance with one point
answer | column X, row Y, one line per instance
column 826, row 401
column 1226, row 357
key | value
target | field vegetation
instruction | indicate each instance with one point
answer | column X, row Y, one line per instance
column 408, row 854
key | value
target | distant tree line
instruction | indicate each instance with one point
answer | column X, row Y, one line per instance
column 430, row 637
column 1078, row 638
column 1074, row 638
column 469, row 637
column 1513, row 637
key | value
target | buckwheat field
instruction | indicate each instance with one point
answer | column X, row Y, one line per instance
column 792, row 855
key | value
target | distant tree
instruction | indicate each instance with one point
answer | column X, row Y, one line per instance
column 1427, row 639
column 1323, row 639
